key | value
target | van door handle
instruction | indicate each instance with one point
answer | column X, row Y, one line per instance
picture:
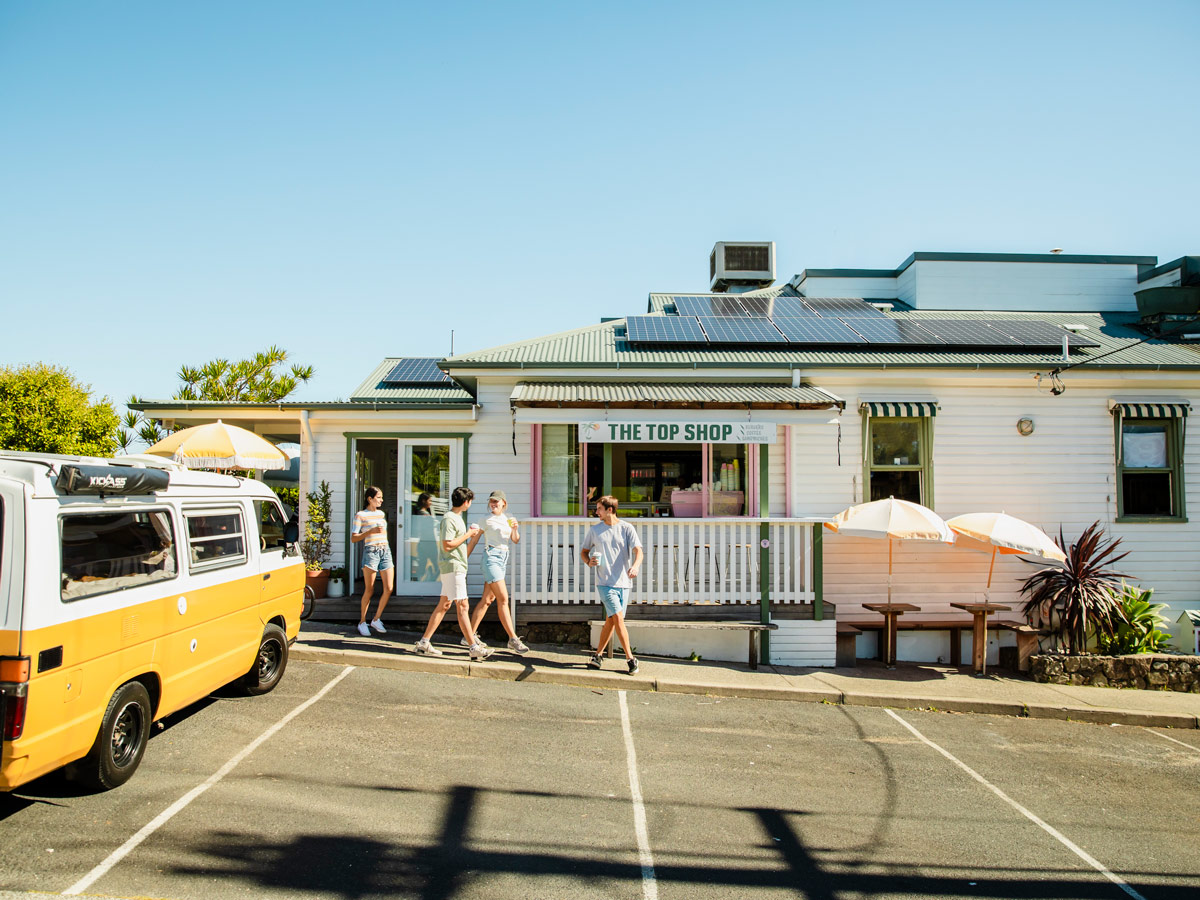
column 267, row 577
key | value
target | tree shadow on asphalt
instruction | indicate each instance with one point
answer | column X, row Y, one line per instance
column 359, row 868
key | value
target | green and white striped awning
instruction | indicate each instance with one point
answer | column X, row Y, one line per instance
column 1152, row 410
column 901, row 408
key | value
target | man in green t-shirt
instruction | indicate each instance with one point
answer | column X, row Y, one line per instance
column 455, row 543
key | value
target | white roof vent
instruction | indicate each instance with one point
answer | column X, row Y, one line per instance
column 741, row 265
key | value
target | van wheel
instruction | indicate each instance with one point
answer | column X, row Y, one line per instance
column 122, row 740
column 269, row 664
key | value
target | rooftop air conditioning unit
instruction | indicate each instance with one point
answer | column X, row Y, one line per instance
column 741, row 265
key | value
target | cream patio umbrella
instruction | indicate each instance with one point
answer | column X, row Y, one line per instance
column 895, row 520
column 900, row 520
column 220, row 446
column 1007, row 535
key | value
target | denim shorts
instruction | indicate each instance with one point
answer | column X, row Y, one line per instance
column 613, row 598
column 377, row 557
column 495, row 561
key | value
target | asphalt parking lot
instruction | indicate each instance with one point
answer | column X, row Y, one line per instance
column 398, row 784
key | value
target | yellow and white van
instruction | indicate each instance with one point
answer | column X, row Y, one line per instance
column 130, row 588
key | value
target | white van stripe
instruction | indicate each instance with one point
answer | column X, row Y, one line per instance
column 1049, row 829
column 162, row 818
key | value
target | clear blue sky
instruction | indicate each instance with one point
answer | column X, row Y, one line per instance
column 351, row 180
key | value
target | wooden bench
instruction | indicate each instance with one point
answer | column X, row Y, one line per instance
column 956, row 626
column 753, row 628
column 847, row 653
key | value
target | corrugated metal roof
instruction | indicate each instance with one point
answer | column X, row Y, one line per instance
column 640, row 393
column 598, row 346
column 375, row 389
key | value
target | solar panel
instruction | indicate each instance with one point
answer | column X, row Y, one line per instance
column 416, row 370
column 744, row 330
column 776, row 307
column 968, row 333
column 844, row 307
column 664, row 330
column 891, row 331
column 815, row 330
column 1038, row 334
column 709, row 306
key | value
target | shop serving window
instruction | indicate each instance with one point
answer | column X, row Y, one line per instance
column 216, row 537
column 103, row 552
column 684, row 480
column 897, row 451
column 1149, row 440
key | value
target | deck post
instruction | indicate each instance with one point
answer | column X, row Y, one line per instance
column 764, row 552
column 818, row 575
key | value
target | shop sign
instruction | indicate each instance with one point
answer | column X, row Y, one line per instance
column 677, row 432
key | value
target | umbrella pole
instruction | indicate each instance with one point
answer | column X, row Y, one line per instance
column 889, row 652
column 986, row 600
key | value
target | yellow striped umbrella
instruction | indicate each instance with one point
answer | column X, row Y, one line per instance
column 220, row 446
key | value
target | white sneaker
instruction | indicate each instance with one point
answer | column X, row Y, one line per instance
column 516, row 645
column 480, row 650
column 423, row 646
column 363, row 629
column 378, row 626
column 462, row 642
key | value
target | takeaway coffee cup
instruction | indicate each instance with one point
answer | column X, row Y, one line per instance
column 596, row 555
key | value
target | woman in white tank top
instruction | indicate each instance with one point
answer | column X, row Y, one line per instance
column 499, row 530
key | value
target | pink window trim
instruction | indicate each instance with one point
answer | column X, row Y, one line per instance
column 535, row 471
column 787, row 471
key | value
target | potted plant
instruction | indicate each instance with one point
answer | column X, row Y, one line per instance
column 317, row 538
column 337, row 581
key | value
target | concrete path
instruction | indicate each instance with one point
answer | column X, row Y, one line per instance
column 909, row 686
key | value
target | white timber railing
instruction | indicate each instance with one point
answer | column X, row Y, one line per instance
column 687, row 561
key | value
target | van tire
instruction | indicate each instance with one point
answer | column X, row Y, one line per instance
column 121, row 743
column 269, row 663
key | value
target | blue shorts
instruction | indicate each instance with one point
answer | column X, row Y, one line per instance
column 377, row 557
column 613, row 598
column 495, row 562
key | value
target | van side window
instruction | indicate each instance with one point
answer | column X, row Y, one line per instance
column 215, row 538
column 104, row 552
column 270, row 524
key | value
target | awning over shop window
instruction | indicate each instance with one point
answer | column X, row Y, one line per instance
column 670, row 395
column 1151, row 410
column 901, row 408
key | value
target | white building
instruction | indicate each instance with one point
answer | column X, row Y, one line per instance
column 944, row 381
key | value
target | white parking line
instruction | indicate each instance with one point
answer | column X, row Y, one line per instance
column 649, row 881
column 1049, row 829
column 162, row 818
column 1174, row 740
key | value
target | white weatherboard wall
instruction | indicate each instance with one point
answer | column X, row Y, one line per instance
column 1023, row 286
column 804, row 643
column 1063, row 473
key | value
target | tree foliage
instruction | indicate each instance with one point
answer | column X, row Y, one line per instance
column 258, row 379
column 246, row 381
column 44, row 409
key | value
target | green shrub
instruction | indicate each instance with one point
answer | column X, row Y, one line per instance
column 1135, row 628
column 318, row 536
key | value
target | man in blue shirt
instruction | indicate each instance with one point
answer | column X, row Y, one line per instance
column 609, row 547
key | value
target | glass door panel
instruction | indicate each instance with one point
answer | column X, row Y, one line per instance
column 428, row 479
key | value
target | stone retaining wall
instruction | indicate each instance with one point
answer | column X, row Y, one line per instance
column 1155, row 672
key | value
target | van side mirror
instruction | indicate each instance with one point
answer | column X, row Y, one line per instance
column 291, row 532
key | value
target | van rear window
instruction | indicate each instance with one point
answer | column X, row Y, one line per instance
column 216, row 537
column 103, row 552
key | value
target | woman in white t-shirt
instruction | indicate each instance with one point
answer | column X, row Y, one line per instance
column 499, row 530
column 370, row 529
